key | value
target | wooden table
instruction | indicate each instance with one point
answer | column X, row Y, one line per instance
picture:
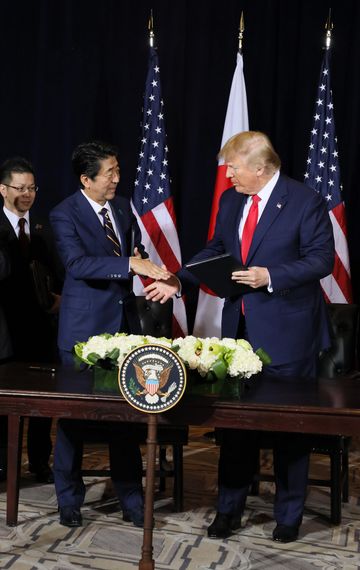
column 292, row 405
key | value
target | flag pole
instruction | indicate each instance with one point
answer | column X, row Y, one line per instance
column 151, row 29
column 328, row 27
column 241, row 31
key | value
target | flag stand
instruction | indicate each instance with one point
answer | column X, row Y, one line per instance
column 147, row 561
column 166, row 387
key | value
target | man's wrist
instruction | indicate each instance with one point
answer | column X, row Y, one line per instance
column 178, row 295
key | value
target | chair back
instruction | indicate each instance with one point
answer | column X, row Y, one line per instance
column 342, row 357
column 155, row 318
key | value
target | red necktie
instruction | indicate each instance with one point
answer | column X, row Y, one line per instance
column 23, row 238
column 249, row 227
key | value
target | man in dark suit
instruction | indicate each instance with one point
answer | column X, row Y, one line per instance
column 32, row 329
column 281, row 231
column 95, row 234
column 5, row 354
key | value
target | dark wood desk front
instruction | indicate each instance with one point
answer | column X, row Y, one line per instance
column 326, row 406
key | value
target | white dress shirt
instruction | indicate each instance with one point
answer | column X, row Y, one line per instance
column 14, row 221
column 264, row 194
column 97, row 207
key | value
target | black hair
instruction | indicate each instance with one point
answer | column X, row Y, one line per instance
column 87, row 156
column 14, row 164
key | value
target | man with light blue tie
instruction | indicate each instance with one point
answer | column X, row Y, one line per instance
column 95, row 232
column 280, row 229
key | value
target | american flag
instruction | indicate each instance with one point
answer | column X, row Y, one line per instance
column 323, row 174
column 152, row 202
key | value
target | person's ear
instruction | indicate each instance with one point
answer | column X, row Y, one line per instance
column 3, row 190
column 84, row 180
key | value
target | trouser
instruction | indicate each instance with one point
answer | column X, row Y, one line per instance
column 239, row 459
column 124, row 454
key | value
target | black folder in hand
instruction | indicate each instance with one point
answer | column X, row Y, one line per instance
column 215, row 273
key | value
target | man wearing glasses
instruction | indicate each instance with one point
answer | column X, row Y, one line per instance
column 32, row 329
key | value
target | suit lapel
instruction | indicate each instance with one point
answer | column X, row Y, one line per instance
column 118, row 216
column 233, row 220
column 273, row 209
column 6, row 226
column 85, row 214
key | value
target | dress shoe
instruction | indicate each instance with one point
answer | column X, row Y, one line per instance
column 134, row 516
column 223, row 525
column 284, row 533
column 42, row 472
column 70, row 516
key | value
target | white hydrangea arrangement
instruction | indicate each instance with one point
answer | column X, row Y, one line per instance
column 212, row 358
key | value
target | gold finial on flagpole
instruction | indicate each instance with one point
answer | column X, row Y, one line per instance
column 241, row 31
column 151, row 29
column 328, row 27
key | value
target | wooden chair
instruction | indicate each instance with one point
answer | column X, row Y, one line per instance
column 156, row 320
column 340, row 360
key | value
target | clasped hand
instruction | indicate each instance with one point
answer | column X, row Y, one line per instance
column 147, row 268
column 162, row 290
column 255, row 277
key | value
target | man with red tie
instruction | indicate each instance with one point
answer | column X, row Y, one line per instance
column 32, row 327
column 280, row 229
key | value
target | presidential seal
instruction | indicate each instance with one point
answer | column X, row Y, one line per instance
column 152, row 378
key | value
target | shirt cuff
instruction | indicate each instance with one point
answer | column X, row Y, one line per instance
column 178, row 295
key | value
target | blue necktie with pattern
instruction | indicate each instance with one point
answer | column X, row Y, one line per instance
column 109, row 231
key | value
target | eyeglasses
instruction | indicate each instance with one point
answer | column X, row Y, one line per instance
column 23, row 189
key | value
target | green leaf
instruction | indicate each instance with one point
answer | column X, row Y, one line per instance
column 114, row 354
column 227, row 356
column 264, row 357
column 219, row 368
column 92, row 358
column 79, row 361
column 211, row 377
column 78, row 353
column 132, row 386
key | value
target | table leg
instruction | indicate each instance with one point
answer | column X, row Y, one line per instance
column 15, row 432
column 147, row 561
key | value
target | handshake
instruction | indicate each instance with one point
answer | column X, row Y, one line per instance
column 166, row 284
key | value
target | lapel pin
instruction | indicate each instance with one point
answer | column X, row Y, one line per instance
column 278, row 206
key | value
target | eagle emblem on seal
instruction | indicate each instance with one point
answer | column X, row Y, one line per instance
column 153, row 378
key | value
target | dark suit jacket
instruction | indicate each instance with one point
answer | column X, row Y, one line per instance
column 32, row 330
column 294, row 240
column 5, row 342
column 97, row 283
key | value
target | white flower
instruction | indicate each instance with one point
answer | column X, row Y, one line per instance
column 235, row 358
column 229, row 342
column 244, row 363
column 97, row 345
column 162, row 341
column 189, row 350
column 209, row 354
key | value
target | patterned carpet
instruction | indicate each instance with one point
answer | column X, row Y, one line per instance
column 105, row 542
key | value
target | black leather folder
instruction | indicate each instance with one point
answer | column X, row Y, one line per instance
column 215, row 273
